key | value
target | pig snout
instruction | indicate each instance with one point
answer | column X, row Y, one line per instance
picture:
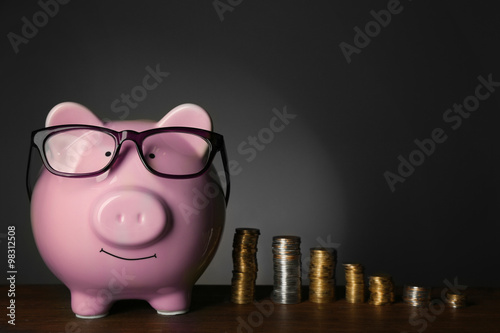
column 130, row 218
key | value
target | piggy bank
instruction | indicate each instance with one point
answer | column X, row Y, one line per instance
column 128, row 209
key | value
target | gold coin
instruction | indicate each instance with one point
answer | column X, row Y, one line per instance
column 322, row 275
column 355, row 284
column 244, row 265
column 381, row 289
column 456, row 300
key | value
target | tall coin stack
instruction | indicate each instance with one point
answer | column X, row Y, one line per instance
column 287, row 270
column 417, row 296
column 381, row 289
column 456, row 300
column 354, row 283
column 322, row 275
column 244, row 265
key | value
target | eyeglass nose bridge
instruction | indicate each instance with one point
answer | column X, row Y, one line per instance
column 133, row 136
column 128, row 135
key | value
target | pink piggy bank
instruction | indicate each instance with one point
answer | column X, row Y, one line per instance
column 128, row 209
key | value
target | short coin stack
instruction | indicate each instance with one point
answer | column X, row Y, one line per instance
column 354, row 283
column 322, row 275
column 456, row 300
column 244, row 265
column 416, row 295
column 287, row 270
column 381, row 289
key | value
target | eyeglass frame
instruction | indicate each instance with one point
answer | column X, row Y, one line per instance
column 215, row 140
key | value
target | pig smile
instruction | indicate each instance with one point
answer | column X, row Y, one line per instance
column 113, row 255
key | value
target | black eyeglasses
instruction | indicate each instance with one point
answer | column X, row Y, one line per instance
column 86, row 151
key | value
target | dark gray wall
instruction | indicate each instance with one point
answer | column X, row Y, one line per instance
column 322, row 176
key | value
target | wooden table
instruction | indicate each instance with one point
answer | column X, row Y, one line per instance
column 46, row 308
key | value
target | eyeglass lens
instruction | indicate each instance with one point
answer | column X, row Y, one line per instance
column 176, row 153
column 80, row 151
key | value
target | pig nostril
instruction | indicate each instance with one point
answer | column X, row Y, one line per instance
column 140, row 218
column 120, row 218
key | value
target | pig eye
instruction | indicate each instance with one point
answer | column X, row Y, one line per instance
column 151, row 155
column 108, row 153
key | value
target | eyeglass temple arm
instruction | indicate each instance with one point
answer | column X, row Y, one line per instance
column 28, row 167
column 226, row 171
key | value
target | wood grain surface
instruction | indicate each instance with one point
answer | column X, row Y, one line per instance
column 46, row 308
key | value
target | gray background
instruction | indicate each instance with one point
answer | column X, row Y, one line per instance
column 322, row 177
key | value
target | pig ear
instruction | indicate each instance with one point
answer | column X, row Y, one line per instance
column 71, row 113
column 187, row 115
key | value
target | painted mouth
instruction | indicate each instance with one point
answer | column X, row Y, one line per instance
column 113, row 255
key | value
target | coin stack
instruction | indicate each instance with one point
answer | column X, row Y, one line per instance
column 244, row 265
column 416, row 295
column 381, row 289
column 322, row 275
column 354, row 283
column 287, row 270
column 456, row 300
